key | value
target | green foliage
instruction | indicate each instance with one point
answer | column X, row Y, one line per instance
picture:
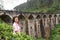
column 55, row 34
column 39, row 6
column 6, row 33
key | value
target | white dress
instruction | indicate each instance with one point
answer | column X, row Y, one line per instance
column 16, row 28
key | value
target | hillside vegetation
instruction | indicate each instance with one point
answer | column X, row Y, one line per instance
column 39, row 6
column 55, row 34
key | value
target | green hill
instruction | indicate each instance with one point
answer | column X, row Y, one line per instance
column 39, row 6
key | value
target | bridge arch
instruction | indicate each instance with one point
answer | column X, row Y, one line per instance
column 50, row 21
column 55, row 18
column 44, row 16
column 44, row 19
column 31, row 17
column 38, row 17
column 9, row 15
column 21, row 17
column 22, row 22
column 55, row 15
column 50, row 16
column 38, row 26
column 31, row 25
column 6, row 18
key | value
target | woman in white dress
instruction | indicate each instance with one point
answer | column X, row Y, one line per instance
column 16, row 27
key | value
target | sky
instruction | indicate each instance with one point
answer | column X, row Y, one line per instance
column 10, row 4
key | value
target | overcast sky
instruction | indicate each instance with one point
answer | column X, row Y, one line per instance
column 10, row 4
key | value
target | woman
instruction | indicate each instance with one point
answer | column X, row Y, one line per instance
column 16, row 27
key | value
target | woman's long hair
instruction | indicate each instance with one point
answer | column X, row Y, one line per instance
column 14, row 19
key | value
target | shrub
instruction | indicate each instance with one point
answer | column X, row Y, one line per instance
column 55, row 34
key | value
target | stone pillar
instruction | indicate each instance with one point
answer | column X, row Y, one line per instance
column 31, row 28
column 46, row 28
column 42, row 27
column 57, row 20
column 43, row 21
column 52, row 23
column 22, row 24
column 26, row 24
column 38, row 28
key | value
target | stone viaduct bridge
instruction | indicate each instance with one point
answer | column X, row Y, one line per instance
column 33, row 24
